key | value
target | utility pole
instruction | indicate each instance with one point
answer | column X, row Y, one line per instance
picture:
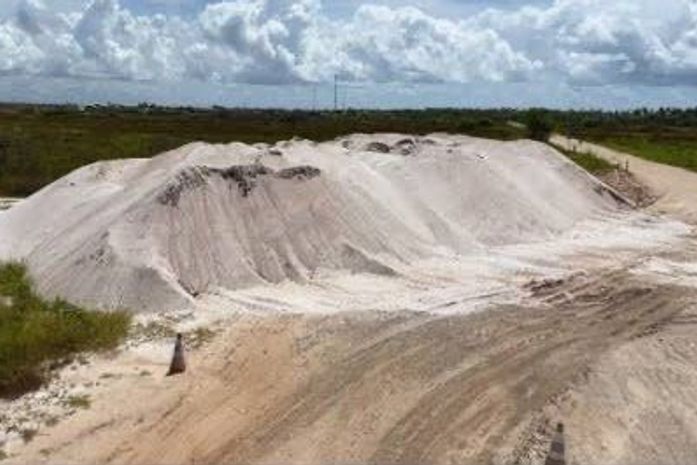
column 336, row 92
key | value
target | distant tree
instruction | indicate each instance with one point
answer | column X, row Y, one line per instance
column 539, row 124
column 4, row 148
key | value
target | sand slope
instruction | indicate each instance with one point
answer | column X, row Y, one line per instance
column 154, row 234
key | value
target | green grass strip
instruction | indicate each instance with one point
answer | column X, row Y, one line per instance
column 36, row 334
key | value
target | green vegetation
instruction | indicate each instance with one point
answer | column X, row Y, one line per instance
column 36, row 334
column 663, row 135
column 587, row 161
column 200, row 337
column 152, row 330
column 539, row 125
column 676, row 152
column 82, row 401
column 39, row 144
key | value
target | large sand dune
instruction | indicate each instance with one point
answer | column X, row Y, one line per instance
column 345, row 278
column 154, row 234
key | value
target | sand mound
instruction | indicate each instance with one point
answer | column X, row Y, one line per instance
column 154, row 234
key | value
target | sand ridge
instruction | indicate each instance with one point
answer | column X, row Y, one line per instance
column 154, row 234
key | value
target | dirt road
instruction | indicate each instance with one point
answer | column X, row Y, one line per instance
column 607, row 351
column 610, row 351
column 675, row 187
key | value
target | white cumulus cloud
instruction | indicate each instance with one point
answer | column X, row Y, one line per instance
column 291, row 41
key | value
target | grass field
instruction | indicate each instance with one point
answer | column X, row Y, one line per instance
column 676, row 152
column 40, row 144
column 36, row 334
column 669, row 142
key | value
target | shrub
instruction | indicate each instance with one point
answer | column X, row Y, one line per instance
column 36, row 334
column 539, row 124
column 82, row 402
column 28, row 435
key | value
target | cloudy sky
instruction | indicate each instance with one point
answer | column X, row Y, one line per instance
column 387, row 53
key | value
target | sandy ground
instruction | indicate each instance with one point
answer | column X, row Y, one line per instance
column 594, row 329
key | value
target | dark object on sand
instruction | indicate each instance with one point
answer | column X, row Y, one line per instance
column 178, row 364
column 378, row 147
column 556, row 450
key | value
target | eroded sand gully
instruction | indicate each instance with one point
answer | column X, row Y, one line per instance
column 594, row 329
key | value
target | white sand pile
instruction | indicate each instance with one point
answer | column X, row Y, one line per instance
column 153, row 234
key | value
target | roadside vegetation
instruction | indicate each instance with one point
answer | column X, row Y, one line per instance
column 663, row 135
column 588, row 161
column 620, row 179
column 37, row 335
column 661, row 149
